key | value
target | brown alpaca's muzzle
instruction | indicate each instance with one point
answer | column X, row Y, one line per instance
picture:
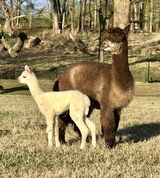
column 106, row 46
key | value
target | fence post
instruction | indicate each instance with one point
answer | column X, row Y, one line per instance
column 101, row 55
column 148, row 76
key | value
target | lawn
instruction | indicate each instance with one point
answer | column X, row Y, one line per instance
column 24, row 152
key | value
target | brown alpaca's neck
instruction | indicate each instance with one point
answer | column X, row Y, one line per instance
column 120, row 68
column 120, row 62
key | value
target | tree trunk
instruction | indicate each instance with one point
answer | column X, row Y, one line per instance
column 7, row 28
column 151, row 17
column 107, row 13
column 136, row 25
column 90, row 14
column 64, row 14
column 54, row 6
column 30, row 20
column 121, row 13
column 18, row 11
column 103, row 14
column 146, row 18
column 141, row 16
column 56, row 29
column 81, row 16
column 95, row 16
column 132, row 17
column 72, row 16
column 11, row 12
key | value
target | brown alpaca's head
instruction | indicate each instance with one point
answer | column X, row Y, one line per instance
column 113, row 39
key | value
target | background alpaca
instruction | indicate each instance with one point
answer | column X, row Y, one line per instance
column 110, row 87
column 51, row 104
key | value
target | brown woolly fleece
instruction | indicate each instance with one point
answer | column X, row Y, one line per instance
column 109, row 86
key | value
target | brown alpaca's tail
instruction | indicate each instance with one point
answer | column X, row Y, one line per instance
column 56, row 85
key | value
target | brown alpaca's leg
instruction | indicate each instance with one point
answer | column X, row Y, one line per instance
column 76, row 129
column 64, row 120
column 62, row 128
column 108, row 127
column 117, row 113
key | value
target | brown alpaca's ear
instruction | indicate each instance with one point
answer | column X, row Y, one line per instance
column 27, row 69
column 127, row 29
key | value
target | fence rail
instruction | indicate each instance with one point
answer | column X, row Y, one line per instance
column 142, row 71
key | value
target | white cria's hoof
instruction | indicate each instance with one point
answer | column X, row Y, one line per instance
column 50, row 145
column 58, row 145
column 82, row 147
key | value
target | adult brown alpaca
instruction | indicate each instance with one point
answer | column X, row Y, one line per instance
column 109, row 86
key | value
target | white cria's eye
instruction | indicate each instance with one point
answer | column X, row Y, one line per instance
column 24, row 76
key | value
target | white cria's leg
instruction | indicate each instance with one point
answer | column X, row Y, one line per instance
column 56, row 131
column 92, row 129
column 76, row 113
column 49, row 129
column 83, row 129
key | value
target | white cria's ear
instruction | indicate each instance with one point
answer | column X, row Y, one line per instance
column 27, row 69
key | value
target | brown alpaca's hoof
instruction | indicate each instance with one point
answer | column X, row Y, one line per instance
column 62, row 140
column 62, row 136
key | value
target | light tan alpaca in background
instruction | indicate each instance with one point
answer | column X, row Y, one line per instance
column 52, row 104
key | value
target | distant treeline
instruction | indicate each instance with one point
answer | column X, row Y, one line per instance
column 82, row 15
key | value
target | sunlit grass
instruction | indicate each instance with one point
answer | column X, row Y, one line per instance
column 24, row 151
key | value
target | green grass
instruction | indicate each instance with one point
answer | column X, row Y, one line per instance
column 24, row 152
column 141, row 73
column 147, row 89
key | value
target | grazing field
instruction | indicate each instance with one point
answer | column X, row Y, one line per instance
column 23, row 143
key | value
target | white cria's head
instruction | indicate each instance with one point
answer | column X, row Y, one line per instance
column 25, row 76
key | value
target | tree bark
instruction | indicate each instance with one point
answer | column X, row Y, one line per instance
column 90, row 14
column 151, row 17
column 121, row 13
column 81, row 16
column 7, row 28
column 136, row 25
column 11, row 12
column 95, row 16
column 18, row 11
column 63, row 14
column 146, row 17
column 72, row 15
column 55, row 6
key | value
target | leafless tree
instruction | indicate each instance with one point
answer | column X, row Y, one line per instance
column 18, row 10
column 7, row 27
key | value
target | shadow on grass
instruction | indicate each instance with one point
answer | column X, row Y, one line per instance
column 154, row 81
column 141, row 132
column 8, row 90
column 134, row 133
column 4, row 132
